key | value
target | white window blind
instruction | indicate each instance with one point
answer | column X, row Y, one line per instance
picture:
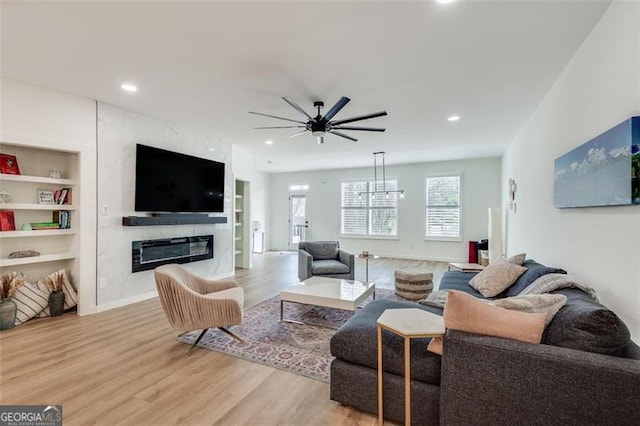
column 373, row 215
column 443, row 207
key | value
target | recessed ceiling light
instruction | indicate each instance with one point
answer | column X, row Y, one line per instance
column 128, row 87
column 445, row 1
column 269, row 142
column 212, row 149
column 454, row 118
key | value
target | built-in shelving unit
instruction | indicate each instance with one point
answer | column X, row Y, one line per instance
column 42, row 233
column 57, row 247
column 240, row 218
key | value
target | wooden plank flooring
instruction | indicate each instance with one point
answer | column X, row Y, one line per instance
column 125, row 366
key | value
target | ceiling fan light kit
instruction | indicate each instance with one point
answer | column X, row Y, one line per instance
column 320, row 125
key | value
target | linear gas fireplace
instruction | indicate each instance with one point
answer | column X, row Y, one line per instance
column 149, row 254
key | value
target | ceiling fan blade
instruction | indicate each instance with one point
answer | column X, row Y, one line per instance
column 343, row 135
column 362, row 117
column 336, row 108
column 297, row 107
column 278, row 127
column 369, row 129
column 279, row 118
column 297, row 134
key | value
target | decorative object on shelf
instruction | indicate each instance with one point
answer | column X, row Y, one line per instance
column 23, row 253
column 45, row 196
column 513, row 187
column 56, row 303
column 55, row 173
column 376, row 186
column 8, row 307
column 604, row 171
column 5, row 197
column 7, row 220
column 9, row 164
column 26, row 227
column 8, row 311
column 56, row 282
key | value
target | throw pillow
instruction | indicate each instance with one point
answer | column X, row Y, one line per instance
column 548, row 304
column 517, row 259
column 30, row 301
column 534, row 271
column 496, row 277
column 466, row 313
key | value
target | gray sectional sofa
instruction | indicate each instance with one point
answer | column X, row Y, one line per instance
column 585, row 371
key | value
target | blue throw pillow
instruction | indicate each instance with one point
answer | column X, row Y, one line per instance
column 534, row 271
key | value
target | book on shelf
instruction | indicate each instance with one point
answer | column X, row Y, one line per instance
column 36, row 226
column 62, row 196
column 7, row 220
column 63, row 218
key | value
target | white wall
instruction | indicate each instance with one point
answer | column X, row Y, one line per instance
column 244, row 169
column 44, row 118
column 118, row 133
column 480, row 190
column 599, row 88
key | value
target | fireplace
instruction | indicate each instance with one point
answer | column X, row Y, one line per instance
column 149, row 254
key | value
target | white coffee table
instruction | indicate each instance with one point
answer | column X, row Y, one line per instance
column 329, row 293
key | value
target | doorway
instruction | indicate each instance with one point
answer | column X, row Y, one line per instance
column 298, row 223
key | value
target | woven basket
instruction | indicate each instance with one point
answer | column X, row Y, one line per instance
column 413, row 284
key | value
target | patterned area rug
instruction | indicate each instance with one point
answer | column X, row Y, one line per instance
column 301, row 349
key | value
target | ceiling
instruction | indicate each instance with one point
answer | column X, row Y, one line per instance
column 204, row 65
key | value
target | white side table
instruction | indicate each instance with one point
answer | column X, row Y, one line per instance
column 366, row 260
column 466, row 267
column 410, row 323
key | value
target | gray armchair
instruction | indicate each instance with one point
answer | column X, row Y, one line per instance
column 324, row 258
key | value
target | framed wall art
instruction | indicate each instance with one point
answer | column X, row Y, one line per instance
column 604, row 171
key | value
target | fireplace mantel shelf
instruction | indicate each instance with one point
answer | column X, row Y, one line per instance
column 178, row 219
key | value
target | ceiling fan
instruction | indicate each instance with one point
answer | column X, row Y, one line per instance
column 320, row 125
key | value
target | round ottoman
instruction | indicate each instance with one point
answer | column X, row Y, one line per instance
column 413, row 284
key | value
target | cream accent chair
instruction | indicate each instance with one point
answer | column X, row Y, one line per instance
column 192, row 303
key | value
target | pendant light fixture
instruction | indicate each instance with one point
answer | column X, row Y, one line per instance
column 384, row 190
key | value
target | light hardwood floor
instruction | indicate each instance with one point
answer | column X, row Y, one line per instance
column 125, row 366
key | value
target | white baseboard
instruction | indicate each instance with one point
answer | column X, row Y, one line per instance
column 145, row 296
column 127, row 301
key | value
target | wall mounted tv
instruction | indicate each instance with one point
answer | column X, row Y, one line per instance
column 168, row 181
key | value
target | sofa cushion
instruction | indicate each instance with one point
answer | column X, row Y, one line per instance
column 329, row 266
column 322, row 249
column 496, row 277
column 466, row 313
column 586, row 325
column 356, row 342
column 549, row 304
column 457, row 280
column 518, row 259
column 534, row 271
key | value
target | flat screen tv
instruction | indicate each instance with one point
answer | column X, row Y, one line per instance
column 168, row 181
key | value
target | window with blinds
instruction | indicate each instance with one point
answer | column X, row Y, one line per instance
column 443, row 208
column 369, row 215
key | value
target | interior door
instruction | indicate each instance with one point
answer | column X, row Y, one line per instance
column 298, row 223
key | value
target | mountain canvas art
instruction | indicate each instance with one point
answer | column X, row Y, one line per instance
column 604, row 171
